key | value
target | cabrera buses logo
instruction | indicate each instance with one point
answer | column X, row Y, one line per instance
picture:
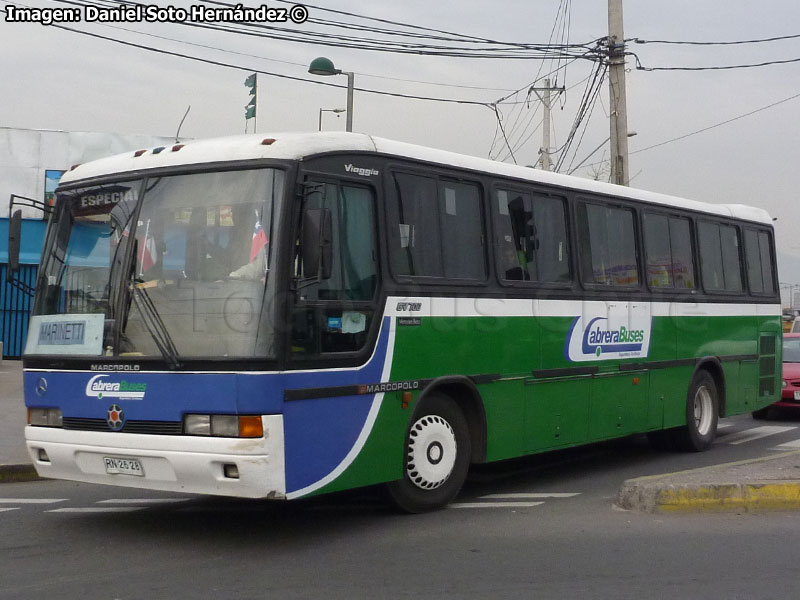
column 600, row 340
column 99, row 387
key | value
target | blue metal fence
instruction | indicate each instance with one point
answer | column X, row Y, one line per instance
column 15, row 310
column 16, row 305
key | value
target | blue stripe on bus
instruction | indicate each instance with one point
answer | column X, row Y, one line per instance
column 318, row 433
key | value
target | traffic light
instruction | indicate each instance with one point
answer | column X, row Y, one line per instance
column 250, row 109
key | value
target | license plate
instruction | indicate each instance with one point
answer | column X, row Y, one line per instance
column 797, row 395
column 123, row 466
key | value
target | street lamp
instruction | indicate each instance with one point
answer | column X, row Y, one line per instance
column 333, row 110
column 324, row 66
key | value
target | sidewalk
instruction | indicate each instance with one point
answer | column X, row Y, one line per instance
column 768, row 483
column 15, row 464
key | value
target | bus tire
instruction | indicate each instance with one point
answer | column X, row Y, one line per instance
column 702, row 414
column 436, row 460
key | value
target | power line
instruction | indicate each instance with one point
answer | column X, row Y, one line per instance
column 296, row 64
column 720, row 124
column 731, row 43
column 640, row 67
column 500, row 123
column 306, row 36
column 704, row 129
column 407, row 25
column 251, row 69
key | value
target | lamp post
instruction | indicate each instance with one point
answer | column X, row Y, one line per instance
column 324, row 66
column 333, row 110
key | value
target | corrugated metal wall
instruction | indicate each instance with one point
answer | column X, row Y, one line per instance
column 15, row 309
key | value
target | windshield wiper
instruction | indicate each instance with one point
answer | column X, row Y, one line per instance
column 154, row 324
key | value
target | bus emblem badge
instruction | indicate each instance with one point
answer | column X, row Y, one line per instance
column 115, row 417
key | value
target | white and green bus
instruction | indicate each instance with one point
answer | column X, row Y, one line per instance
column 288, row 316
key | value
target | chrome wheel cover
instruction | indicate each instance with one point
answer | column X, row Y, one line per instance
column 703, row 410
column 432, row 452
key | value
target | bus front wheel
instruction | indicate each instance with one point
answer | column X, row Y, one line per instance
column 437, row 457
column 702, row 414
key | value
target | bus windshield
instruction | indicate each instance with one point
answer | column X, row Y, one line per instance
column 172, row 266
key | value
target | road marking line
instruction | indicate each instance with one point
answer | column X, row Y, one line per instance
column 756, row 433
column 519, row 496
column 141, row 500
column 94, row 509
column 31, row 500
column 493, row 504
column 792, row 444
column 724, row 426
column 7, row 509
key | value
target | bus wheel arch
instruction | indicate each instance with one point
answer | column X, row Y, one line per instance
column 713, row 366
column 465, row 394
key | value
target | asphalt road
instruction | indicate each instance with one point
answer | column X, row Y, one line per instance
column 543, row 527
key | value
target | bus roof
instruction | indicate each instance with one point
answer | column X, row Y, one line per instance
column 299, row 146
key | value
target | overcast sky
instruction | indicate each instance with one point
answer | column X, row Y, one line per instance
column 55, row 79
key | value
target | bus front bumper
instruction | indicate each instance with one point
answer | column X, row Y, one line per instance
column 246, row 468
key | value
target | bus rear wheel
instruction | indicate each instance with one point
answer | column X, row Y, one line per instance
column 702, row 414
column 437, row 457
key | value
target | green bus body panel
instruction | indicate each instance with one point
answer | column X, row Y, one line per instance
column 526, row 414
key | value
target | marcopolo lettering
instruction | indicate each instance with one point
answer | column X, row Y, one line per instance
column 393, row 386
column 115, row 367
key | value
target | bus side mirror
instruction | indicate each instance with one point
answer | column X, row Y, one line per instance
column 14, row 234
column 317, row 249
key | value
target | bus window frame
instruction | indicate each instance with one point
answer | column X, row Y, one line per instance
column 610, row 202
column 773, row 261
column 745, row 291
column 322, row 360
column 439, row 175
column 533, row 191
column 692, row 237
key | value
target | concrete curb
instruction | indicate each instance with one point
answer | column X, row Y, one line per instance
column 18, row 473
column 718, row 488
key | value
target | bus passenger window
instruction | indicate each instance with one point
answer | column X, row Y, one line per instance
column 608, row 245
column 439, row 229
column 462, row 231
column 668, row 250
column 719, row 257
column 531, row 233
column 759, row 263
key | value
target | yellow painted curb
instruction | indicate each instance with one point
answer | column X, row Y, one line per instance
column 18, row 473
column 691, row 491
column 724, row 497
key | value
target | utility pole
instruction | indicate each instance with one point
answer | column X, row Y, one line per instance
column 616, row 87
column 544, row 151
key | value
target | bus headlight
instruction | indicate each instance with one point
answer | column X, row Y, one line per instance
column 223, row 425
column 45, row 417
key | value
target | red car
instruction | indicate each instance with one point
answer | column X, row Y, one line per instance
column 790, row 395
